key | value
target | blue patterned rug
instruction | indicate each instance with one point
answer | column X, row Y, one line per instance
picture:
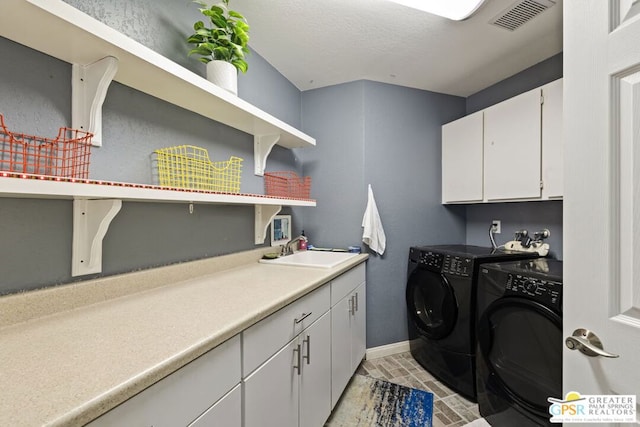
column 369, row 402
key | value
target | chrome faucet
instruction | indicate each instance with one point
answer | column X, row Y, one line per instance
column 288, row 248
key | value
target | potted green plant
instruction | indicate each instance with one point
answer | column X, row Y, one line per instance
column 223, row 45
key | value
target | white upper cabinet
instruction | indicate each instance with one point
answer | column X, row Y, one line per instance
column 462, row 159
column 552, row 147
column 512, row 148
column 509, row 151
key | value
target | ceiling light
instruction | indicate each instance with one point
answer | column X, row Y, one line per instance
column 456, row 9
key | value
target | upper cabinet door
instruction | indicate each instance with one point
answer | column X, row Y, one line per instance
column 552, row 141
column 462, row 159
column 512, row 148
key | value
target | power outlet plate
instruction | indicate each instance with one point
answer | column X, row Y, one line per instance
column 496, row 224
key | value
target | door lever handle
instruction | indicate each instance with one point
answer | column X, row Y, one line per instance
column 588, row 343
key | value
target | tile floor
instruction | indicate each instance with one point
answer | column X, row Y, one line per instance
column 449, row 408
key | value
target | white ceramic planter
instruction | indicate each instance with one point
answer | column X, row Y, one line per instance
column 223, row 74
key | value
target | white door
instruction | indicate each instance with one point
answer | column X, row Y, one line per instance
column 462, row 159
column 271, row 392
column 359, row 327
column 315, row 381
column 552, row 141
column 512, row 148
column 602, row 192
column 341, row 314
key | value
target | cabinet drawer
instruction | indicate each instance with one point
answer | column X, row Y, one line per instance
column 347, row 282
column 265, row 338
column 226, row 412
column 181, row 397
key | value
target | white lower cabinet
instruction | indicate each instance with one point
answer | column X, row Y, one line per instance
column 293, row 387
column 348, row 328
column 226, row 412
column 315, row 381
column 288, row 370
column 271, row 392
column 210, row 382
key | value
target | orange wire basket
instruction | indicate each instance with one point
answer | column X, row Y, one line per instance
column 66, row 156
column 188, row 166
column 287, row 184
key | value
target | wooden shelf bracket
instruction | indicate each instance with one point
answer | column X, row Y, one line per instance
column 91, row 220
column 89, row 84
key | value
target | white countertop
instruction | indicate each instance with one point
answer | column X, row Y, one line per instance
column 70, row 353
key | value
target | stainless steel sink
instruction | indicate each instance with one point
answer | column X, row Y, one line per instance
column 316, row 259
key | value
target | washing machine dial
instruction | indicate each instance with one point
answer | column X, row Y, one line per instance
column 530, row 285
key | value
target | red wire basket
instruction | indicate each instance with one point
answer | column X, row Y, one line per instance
column 287, row 184
column 66, row 156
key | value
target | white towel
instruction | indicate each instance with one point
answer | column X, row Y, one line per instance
column 373, row 233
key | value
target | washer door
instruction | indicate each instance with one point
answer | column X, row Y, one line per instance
column 431, row 303
column 521, row 343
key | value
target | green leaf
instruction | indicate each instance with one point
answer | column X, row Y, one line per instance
column 240, row 65
column 221, row 52
column 200, row 51
column 241, row 25
column 220, row 21
column 235, row 14
column 203, row 32
column 195, row 39
column 218, row 10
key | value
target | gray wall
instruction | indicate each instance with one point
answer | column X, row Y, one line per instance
column 531, row 78
column 35, row 98
column 532, row 216
column 387, row 136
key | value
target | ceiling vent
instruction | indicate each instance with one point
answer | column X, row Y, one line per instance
column 520, row 13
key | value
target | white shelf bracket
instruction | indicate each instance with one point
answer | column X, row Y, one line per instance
column 262, row 145
column 89, row 84
column 264, row 216
column 91, row 220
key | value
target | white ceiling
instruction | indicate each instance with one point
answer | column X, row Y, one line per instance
column 317, row 43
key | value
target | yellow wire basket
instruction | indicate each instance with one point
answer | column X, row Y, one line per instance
column 187, row 166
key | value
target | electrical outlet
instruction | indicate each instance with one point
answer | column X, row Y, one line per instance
column 496, row 226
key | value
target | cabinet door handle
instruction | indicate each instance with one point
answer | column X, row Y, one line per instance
column 307, row 340
column 296, row 352
column 352, row 311
column 356, row 299
column 303, row 316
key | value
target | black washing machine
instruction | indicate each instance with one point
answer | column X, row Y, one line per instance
column 519, row 357
column 441, row 301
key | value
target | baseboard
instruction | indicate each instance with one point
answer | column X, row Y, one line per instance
column 387, row 350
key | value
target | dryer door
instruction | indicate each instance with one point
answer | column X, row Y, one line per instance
column 431, row 303
column 521, row 343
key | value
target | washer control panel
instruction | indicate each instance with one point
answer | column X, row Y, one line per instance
column 443, row 263
column 544, row 291
column 457, row 265
column 431, row 260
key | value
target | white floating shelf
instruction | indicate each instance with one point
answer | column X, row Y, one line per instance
column 51, row 189
column 96, row 203
column 62, row 31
